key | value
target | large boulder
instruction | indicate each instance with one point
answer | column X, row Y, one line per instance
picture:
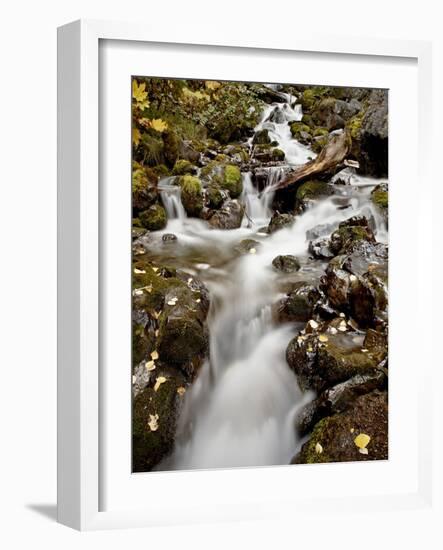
column 155, row 414
column 359, row 433
column 191, row 194
column 349, row 232
column 332, row 355
column 224, row 176
column 298, row 305
column 153, row 218
column 280, row 221
column 286, row 263
column 337, row 399
column 310, row 191
column 373, row 135
column 144, row 187
column 229, row 216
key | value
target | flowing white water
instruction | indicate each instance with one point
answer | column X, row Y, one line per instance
column 171, row 198
column 240, row 411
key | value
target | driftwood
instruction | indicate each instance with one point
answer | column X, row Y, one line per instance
column 332, row 154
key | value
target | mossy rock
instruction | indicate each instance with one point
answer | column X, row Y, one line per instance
column 214, row 196
column 319, row 143
column 297, row 128
column 320, row 131
column 278, row 155
column 280, row 221
column 379, row 196
column 144, row 187
column 232, row 180
column 312, row 190
column 161, row 170
column 286, row 263
column 171, row 147
column 183, row 167
column 354, row 125
column 261, row 137
column 154, row 420
column 299, row 304
column 333, row 438
column 191, row 194
column 153, row 218
column 350, row 232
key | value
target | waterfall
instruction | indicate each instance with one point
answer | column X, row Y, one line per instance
column 170, row 195
column 240, row 410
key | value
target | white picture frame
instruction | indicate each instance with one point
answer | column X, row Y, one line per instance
column 80, row 412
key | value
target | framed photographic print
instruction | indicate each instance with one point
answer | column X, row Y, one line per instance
column 229, row 218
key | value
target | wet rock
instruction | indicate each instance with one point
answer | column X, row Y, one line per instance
column 299, row 304
column 228, row 217
column 144, row 188
column 333, row 438
column 224, row 176
column 337, row 399
column 380, row 198
column 188, row 152
column 191, row 194
column 332, row 113
column 247, row 246
column 183, row 167
column 319, row 249
column 280, row 221
column 155, row 414
column 261, row 137
column 310, row 191
column 169, row 238
column 301, row 132
column 137, row 232
column 373, row 156
column 171, row 308
column 268, row 153
column 321, row 360
column 286, row 263
column 153, row 218
column 214, row 196
column 350, row 232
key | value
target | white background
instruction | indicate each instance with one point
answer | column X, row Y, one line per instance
column 28, row 269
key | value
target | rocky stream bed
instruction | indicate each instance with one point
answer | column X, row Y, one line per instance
column 260, row 310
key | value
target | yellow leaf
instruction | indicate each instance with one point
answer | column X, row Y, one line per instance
column 153, row 422
column 150, row 365
column 136, row 135
column 139, row 92
column 181, row 390
column 139, row 270
column 158, row 125
column 160, row 380
column 362, row 440
column 318, row 448
column 154, row 355
column 323, row 338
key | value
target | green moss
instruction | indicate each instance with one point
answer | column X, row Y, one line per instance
column 298, row 127
column 354, row 125
column 183, row 167
column 320, row 131
column 214, row 196
column 221, row 158
column 192, row 196
column 161, row 170
column 154, row 218
column 310, row 455
column 278, row 154
column 232, row 180
column 313, row 189
column 380, row 197
column 319, row 143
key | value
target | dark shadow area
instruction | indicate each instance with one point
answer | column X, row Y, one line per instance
column 48, row 511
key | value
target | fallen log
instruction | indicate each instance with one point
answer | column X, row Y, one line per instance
column 332, row 154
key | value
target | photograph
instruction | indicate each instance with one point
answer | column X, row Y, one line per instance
column 259, row 273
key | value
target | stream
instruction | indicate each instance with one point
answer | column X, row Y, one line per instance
column 240, row 410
